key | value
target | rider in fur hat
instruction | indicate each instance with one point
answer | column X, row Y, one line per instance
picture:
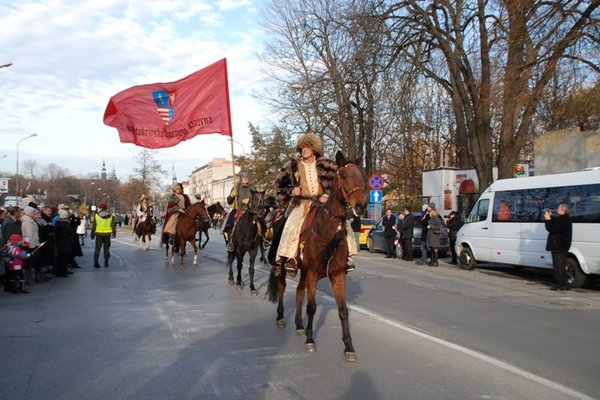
column 177, row 203
column 238, row 199
column 300, row 182
column 141, row 212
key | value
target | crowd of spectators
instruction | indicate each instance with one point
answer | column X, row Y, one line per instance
column 39, row 243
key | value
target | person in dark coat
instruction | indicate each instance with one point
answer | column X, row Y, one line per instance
column 424, row 224
column 63, row 238
column 454, row 223
column 560, row 233
column 75, row 221
column 407, row 235
column 435, row 226
column 389, row 233
column 356, row 225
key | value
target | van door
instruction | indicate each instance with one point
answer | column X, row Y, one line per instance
column 477, row 230
column 505, row 229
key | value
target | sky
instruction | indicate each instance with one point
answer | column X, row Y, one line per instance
column 70, row 56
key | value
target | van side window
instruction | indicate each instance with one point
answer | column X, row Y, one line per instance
column 480, row 211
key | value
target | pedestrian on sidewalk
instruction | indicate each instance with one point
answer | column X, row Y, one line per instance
column 389, row 233
column 560, row 233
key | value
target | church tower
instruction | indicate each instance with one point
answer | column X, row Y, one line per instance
column 103, row 175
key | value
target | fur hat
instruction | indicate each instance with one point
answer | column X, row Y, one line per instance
column 63, row 214
column 176, row 186
column 62, row 206
column 309, row 139
column 243, row 173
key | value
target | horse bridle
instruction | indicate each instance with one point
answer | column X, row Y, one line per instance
column 346, row 194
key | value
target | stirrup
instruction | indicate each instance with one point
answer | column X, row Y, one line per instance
column 291, row 266
column 229, row 247
column 266, row 244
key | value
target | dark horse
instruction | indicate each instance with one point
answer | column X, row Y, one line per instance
column 204, row 226
column 325, row 254
column 144, row 228
column 246, row 237
column 187, row 226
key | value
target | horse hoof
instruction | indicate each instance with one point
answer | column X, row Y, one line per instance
column 230, row 282
column 239, row 287
column 254, row 292
column 310, row 347
column 350, row 356
column 300, row 332
column 280, row 323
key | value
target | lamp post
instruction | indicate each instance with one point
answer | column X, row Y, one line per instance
column 17, row 176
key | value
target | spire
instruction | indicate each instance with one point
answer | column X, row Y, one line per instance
column 103, row 175
column 173, row 174
column 113, row 174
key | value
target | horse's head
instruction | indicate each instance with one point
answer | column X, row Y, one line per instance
column 198, row 211
column 350, row 182
column 257, row 203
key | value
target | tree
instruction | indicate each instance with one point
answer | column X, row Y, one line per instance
column 269, row 152
column 146, row 178
column 476, row 49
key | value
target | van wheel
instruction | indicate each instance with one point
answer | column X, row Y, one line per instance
column 370, row 245
column 467, row 261
column 576, row 277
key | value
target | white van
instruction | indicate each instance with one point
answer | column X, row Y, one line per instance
column 506, row 224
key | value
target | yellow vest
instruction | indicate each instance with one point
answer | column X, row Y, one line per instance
column 103, row 225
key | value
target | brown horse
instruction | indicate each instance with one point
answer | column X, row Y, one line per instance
column 325, row 254
column 144, row 228
column 187, row 226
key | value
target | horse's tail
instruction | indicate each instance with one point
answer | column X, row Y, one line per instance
column 333, row 244
column 272, row 288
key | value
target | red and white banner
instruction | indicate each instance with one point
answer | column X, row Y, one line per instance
column 164, row 114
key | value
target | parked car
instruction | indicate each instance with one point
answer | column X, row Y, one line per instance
column 365, row 227
column 376, row 242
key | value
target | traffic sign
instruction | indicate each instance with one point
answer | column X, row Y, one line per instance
column 374, row 211
column 376, row 182
column 376, row 196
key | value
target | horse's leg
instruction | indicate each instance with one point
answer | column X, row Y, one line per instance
column 206, row 241
column 165, row 241
column 311, row 309
column 195, row 247
column 300, row 290
column 148, row 244
column 230, row 257
column 239, row 255
column 338, row 283
column 281, row 284
column 181, row 252
column 252, row 258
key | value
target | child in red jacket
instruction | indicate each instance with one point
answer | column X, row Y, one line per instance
column 15, row 254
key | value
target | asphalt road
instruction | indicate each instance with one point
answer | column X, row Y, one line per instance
column 140, row 330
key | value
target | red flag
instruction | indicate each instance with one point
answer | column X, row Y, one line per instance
column 164, row 114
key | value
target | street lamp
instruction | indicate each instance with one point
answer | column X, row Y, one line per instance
column 18, row 143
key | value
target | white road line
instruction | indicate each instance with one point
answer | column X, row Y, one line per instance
column 475, row 354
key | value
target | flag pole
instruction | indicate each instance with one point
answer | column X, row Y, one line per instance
column 230, row 128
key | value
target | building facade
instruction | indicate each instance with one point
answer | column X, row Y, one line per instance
column 212, row 181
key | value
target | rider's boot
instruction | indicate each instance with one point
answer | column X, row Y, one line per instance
column 350, row 266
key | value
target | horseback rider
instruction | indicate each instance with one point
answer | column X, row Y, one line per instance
column 177, row 203
column 300, row 183
column 239, row 199
column 141, row 212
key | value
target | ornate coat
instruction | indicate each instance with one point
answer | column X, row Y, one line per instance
column 314, row 179
column 289, row 177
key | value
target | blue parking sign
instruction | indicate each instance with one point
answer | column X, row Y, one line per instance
column 376, row 197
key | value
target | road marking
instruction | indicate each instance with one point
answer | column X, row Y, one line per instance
column 475, row 354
